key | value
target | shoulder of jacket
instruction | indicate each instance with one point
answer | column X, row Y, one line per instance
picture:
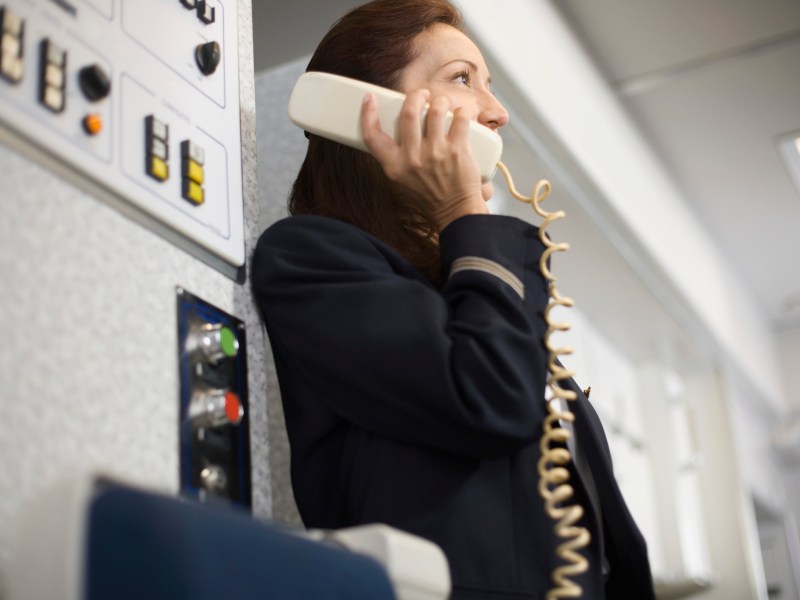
column 321, row 243
column 307, row 227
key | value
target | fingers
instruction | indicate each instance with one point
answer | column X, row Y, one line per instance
column 434, row 161
column 410, row 136
column 487, row 191
column 410, row 120
column 435, row 118
column 379, row 143
column 459, row 129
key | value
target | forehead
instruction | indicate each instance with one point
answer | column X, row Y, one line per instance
column 442, row 43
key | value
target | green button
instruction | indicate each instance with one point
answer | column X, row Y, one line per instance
column 228, row 342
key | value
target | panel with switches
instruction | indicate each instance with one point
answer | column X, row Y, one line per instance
column 140, row 99
column 215, row 445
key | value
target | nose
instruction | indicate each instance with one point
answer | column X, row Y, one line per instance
column 492, row 113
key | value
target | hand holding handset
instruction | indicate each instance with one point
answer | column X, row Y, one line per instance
column 330, row 106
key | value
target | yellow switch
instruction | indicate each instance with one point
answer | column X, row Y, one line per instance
column 193, row 192
column 193, row 171
column 158, row 168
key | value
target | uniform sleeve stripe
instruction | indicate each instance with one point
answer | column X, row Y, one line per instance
column 476, row 263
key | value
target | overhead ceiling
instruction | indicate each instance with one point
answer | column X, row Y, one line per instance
column 711, row 83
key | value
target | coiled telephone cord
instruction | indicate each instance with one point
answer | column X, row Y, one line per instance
column 554, row 484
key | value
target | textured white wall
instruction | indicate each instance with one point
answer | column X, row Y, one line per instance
column 281, row 148
column 88, row 361
column 789, row 348
column 617, row 397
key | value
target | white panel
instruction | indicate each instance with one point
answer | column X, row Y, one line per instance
column 147, row 50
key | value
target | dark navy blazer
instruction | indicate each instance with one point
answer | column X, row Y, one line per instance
column 422, row 407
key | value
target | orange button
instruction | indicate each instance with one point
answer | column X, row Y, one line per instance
column 92, row 124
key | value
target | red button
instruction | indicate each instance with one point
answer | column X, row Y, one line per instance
column 233, row 408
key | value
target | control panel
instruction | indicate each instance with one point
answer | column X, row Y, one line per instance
column 215, row 443
column 140, row 99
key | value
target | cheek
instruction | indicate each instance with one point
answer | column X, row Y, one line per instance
column 456, row 97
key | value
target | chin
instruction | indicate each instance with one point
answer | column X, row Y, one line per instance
column 487, row 189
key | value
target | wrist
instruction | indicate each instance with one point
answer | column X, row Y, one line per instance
column 446, row 215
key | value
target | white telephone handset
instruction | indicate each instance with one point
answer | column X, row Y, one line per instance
column 330, row 106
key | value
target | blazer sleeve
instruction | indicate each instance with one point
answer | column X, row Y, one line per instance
column 461, row 368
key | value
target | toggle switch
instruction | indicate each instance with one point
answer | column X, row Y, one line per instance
column 11, row 45
column 52, row 79
column 156, row 148
column 192, row 191
column 215, row 408
column 11, row 23
column 207, row 56
column 205, row 12
column 193, row 173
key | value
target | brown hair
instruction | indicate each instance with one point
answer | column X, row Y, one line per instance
column 373, row 43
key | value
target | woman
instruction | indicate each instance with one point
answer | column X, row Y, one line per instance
column 407, row 326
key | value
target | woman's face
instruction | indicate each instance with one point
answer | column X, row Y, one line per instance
column 449, row 64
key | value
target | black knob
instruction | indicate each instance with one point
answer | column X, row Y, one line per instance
column 94, row 82
column 207, row 56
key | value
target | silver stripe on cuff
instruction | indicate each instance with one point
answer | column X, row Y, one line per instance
column 476, row 263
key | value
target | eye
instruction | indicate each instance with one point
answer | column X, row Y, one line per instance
column 463, row 77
